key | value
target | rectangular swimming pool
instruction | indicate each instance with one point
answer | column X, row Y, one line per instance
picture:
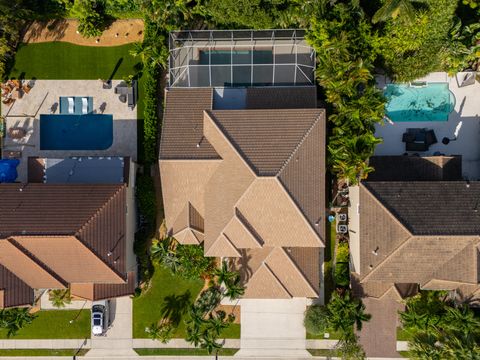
column 76, row 132
column 432, row 102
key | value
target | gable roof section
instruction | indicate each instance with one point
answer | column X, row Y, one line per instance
column 15, row 291
column 182, row 128
column 50, row 209
column 379, row 231
column 273, row 214
column 303, row 176
column 70, row 259
column 241, row 235
column 416, row 260
column 265, row 285
column 33, row 274
column 432, row 207
column 266, row 138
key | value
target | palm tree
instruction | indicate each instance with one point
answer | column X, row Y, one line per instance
column 395, row 8
column 15, row 319
column 209, row 342
column 153, row 331
column 233, row 288
column 346, row 312
column 193, row 334
column 224, row 274
column 60, row 297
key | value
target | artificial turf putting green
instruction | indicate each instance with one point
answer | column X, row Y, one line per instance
column 62, row 60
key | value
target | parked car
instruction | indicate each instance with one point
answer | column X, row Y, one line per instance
column 100, row 317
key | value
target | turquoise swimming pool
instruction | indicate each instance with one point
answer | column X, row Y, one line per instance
column 433, row 102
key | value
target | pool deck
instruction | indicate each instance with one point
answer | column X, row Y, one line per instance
column 466, row 112
column 25, row 114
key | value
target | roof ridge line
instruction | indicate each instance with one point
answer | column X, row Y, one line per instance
column 115, row 271
column 37, row 261
column 309, row 130
column 100, row 209
column 284, row 252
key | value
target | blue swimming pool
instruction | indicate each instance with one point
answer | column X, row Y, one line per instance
column 433, row 102
column 76, row 132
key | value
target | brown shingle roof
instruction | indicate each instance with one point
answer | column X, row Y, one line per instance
column 297, row 97
column 432, row 207
column 182, row 128
column 266, row 139
column 415, row 168
column 404, row 256
column 270, row 166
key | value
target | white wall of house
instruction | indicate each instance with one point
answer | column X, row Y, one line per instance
column 131, row 215
column 354, row 227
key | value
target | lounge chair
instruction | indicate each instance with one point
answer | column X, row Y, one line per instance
column 84, row 105
column 71, row 105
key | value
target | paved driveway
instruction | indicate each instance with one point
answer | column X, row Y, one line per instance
column 273, row 328
column 118, row 339
column 379, row 335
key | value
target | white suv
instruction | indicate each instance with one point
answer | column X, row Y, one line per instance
column 100, row 317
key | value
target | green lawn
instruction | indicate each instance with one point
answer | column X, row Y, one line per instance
column 61, row 60
column 333, row 335
column 55, row 324
column 329, row 253
column 403, row 335
column 322, row 352
column 148, row 308
column 183, row 352
column 42, row 352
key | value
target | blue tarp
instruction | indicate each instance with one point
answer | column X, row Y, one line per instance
column 8, row 170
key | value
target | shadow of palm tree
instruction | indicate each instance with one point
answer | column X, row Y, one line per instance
column 175, row 306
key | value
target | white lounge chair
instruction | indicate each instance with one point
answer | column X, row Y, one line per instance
column 84, row 105
column 71, row 104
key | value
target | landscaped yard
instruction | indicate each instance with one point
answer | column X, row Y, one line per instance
column 328, row 263
column 183, row 352
column 55, row 324
column 42, row 352
column 149, row 307
column 61, row 60
column 403, row 335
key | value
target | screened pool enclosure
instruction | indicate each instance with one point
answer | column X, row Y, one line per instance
column 238, row 58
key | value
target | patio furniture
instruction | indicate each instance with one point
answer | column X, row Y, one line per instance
column 84, row 105
column 12, row 154
column 54, row 108
column 418, row 139
column 71, row 104
column 123, row 98
column 8, row 101
column 467, row 79
column 17, row 133
column 26, row 88
column 102, row 107
column 130, row 92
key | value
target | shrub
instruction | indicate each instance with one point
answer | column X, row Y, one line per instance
column 342, row 274
column 316, row 319
column 91, row 17
column 150, row 116
column 147, row 201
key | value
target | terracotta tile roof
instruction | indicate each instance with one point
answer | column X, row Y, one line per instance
column 57, row 234
column 51, row 209
column 69, row 258
column 270, row 166
column 182, row 128
column 15, row 291
column 83, row 290
column 108, row 291
column 27, row 269
column 415, row 168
